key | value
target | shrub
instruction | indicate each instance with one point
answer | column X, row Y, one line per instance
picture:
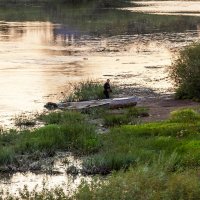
column 185, row 72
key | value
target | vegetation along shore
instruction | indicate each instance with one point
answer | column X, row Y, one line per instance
column 135, row 154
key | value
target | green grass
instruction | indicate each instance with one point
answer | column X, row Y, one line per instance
column 143, row 183
column 184, row 115
column 88, row 90
column 140, row 183
column 127, row 116
column 62, row 117
column 68, row 131
column 140, row 144
column 148, row 161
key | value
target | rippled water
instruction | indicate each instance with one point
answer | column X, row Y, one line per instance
column 43, row 49
column 40, row 55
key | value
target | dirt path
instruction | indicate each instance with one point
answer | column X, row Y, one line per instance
column 160, row 108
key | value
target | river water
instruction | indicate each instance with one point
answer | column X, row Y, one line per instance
column 44, row 48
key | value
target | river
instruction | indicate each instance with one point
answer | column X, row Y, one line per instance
column 45, row 48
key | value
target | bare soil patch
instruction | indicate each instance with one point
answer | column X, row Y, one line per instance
column 160, row 108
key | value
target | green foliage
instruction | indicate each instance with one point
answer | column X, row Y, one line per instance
column 139, row 144
column 128, row 116
column 79, row 137
column 145, row 183
column 184, row 116
column 7, row 155
column 66, row 131
column 86, row 90
column 151, row 161
column 105, row 164
column 62, row 117
column 115, row 119
column 185, row 72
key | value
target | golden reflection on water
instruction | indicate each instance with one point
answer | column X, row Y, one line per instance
column 188, row 8
column 38, row 60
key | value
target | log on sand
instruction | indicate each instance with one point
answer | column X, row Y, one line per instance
column 123, row 102
column 107, row 103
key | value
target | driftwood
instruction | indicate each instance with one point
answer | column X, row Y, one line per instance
column 107, row 103
column 122, row 103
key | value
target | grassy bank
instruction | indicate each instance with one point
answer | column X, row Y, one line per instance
column 147, row 161
column 68, row 131
column 140, row 144
column 157, row 160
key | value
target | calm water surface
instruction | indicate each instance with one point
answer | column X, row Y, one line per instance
column 43, row 49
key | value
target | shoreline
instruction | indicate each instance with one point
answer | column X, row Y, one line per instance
column 159, row 108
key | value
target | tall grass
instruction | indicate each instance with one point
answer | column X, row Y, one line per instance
column 142, row 182
column 147, row 161
column 88, row 90
column 128, row 116
column 139, row 144
column 67, row 131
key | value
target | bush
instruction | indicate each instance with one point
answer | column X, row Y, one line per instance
column 185, row 72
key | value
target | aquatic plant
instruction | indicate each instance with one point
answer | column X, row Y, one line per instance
column 24, row 120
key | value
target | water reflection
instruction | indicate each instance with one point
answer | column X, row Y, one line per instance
column 42, row 49
column 189, row 8
column 18, row 181
column 39, row 58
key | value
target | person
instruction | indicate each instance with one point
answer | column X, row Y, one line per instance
column 107, row 89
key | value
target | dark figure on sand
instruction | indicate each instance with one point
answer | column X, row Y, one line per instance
column 107, row 89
